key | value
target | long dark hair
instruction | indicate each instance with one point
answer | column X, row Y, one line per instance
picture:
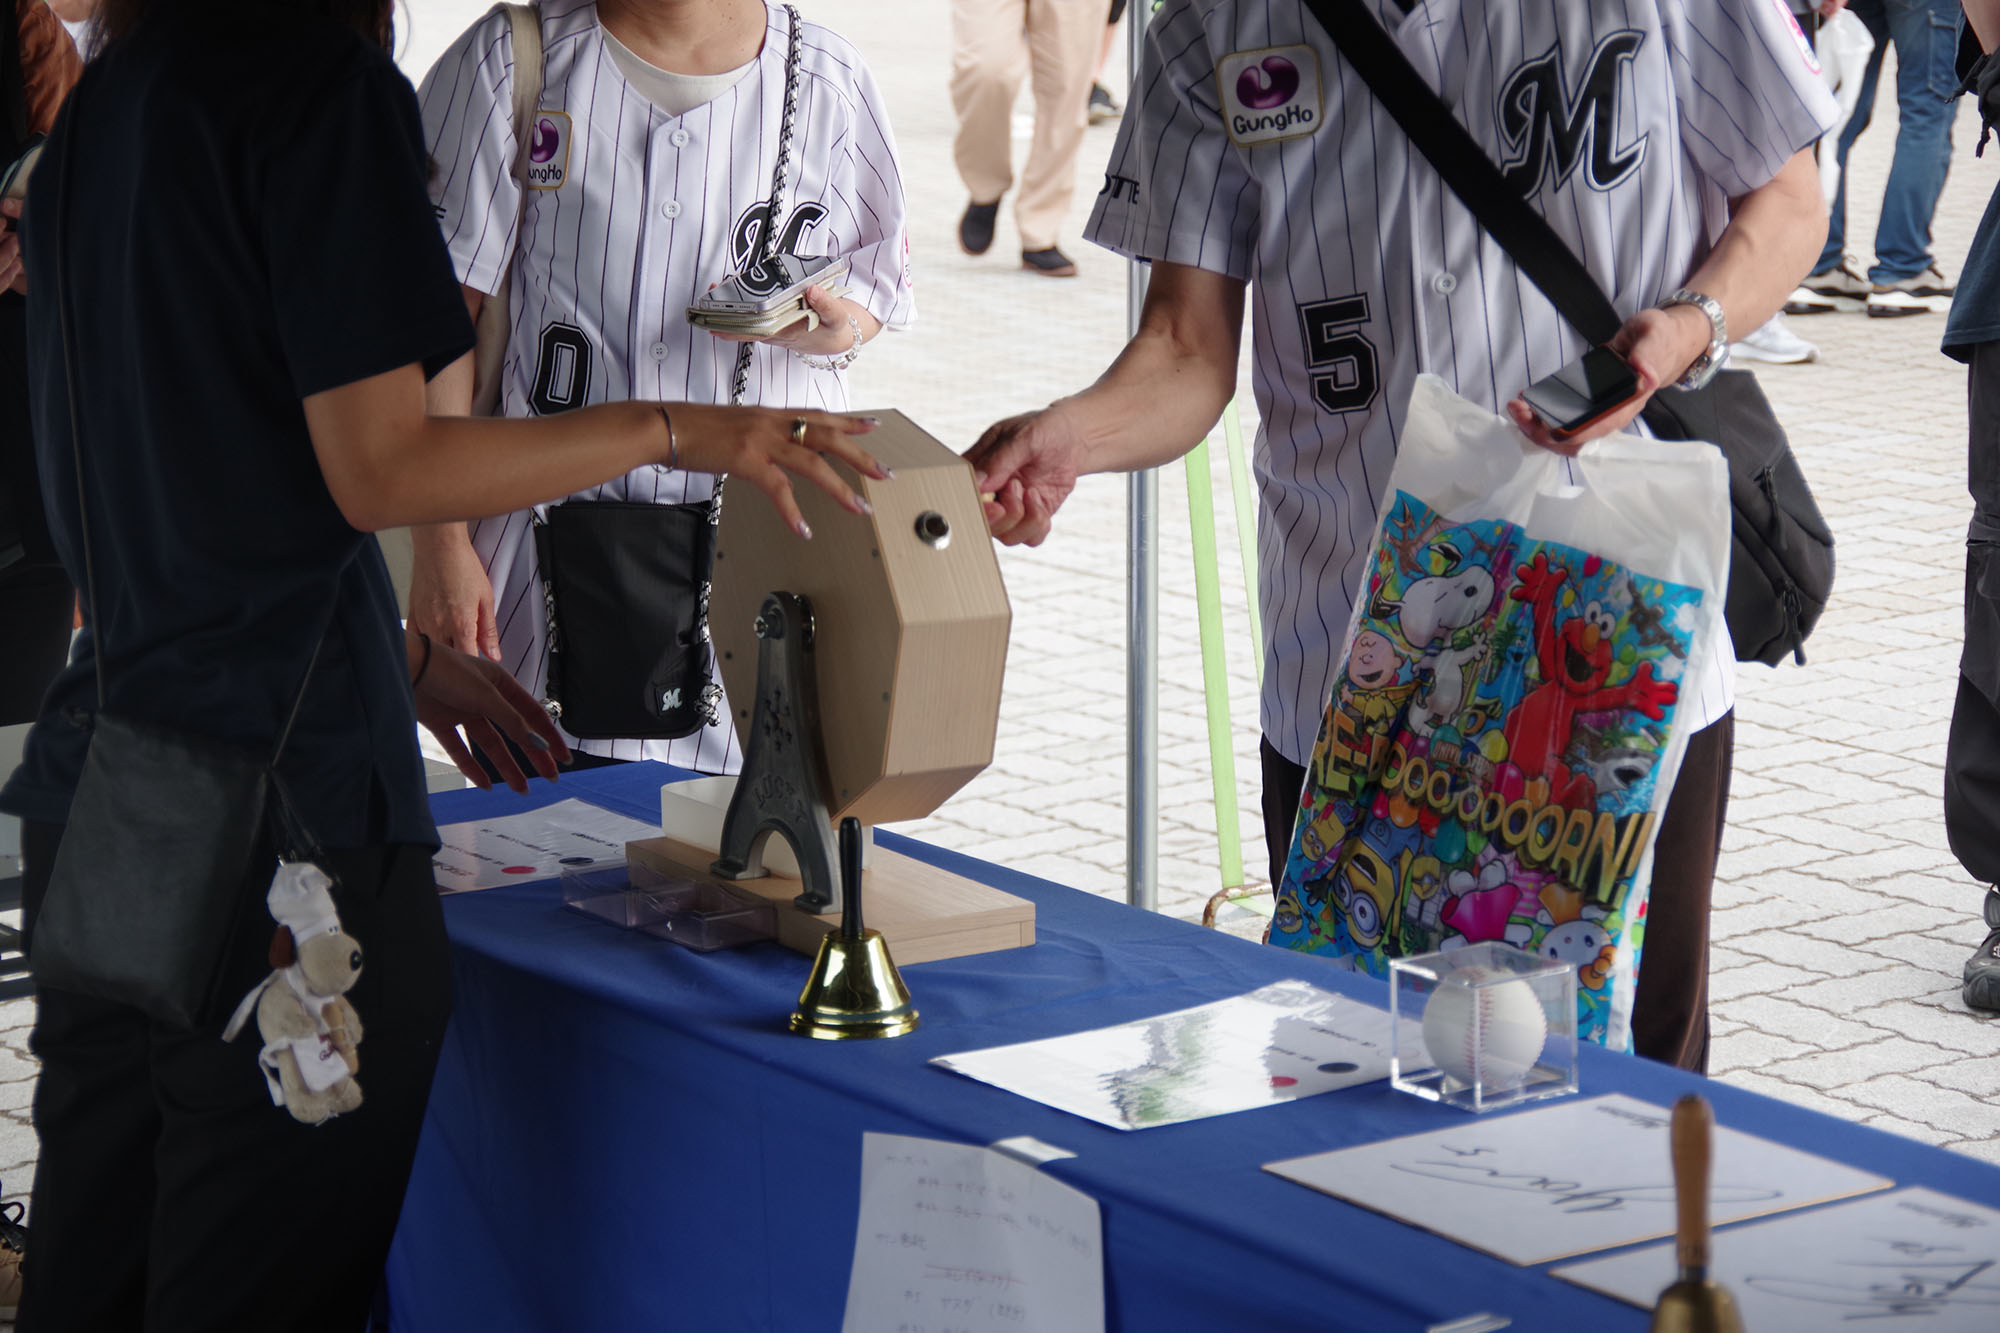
column 373, row 19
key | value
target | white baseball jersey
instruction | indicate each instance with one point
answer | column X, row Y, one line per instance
column 1251, row 148
column 630, row 215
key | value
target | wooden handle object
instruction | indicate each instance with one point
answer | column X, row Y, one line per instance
column 1692, row 1132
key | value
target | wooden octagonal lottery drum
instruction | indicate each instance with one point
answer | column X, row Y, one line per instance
column 910, row 622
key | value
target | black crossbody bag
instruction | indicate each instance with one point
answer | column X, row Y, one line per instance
column 164, row 825
column 1781, row 550
column 625, row 583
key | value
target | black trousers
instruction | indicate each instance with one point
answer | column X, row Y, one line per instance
column 1670, row 1012
column 1972, row 751
column 172, row 1195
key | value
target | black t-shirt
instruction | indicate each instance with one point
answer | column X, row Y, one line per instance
column 248, row 225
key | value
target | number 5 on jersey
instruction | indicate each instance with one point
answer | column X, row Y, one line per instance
column 1341, row 359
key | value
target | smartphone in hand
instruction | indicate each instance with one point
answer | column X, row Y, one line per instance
column 782, row 282
column 1583, row 392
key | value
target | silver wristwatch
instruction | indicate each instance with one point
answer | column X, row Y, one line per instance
column 1703, row 368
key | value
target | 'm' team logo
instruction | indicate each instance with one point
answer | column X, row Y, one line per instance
column 1549, row 131
column 548, row 151
column 1270, row 94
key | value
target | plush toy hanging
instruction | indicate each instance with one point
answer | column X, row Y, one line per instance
column 312, row 1036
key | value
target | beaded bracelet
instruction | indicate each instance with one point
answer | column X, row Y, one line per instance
column 845, row 359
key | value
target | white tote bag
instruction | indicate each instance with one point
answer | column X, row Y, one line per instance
column 1506, row 725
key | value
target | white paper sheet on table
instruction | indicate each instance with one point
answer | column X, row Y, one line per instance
column 1276, row 1044
column 959, row 1237
column 1566, row 1179
column 483, row 853
column 1914, row 1259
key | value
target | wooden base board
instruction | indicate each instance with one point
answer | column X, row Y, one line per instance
column 923, row 912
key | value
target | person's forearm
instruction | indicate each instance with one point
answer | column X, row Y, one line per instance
column 1170, row 384
column 1774, row 237
column 1984, row 16
column 399, row 466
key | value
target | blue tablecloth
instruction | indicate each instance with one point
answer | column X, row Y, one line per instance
column 623, row 1136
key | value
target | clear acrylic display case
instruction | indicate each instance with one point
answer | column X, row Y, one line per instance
column 699, row 914
column 1483, row 1027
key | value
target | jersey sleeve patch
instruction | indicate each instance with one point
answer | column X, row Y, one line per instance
column 1270, row 94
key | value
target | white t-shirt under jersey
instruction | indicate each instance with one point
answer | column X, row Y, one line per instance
column 631, row 213
column 1251, row 148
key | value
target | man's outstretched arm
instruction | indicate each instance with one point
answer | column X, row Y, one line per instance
column 1154, row 404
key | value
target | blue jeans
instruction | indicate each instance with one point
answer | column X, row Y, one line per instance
column 1925, row 33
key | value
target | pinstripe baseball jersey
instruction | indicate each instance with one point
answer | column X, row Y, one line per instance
column 631, row 213
column 1250, row 148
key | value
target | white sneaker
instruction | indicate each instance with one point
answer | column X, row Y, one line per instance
column 1774, row 344
column 1893, row 303
column 1806, row 301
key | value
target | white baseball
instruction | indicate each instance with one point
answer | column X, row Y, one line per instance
column 1490, row 1035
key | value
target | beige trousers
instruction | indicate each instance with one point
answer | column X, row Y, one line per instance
column 1055, row 43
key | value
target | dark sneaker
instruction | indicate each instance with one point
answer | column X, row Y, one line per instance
column 13, row 1241
column 975, row 229
column 1982, row 970
column 1103, row 106
column 1050, row 263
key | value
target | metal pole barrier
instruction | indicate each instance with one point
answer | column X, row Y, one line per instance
column 1142, row 640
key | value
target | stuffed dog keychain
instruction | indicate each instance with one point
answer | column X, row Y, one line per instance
column 311, row 1033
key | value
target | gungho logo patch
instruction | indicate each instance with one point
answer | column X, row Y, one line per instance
column 1270, row 94
column 548, row 150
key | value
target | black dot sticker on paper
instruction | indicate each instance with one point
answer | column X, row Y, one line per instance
column 1338, row 1067
column 576, row 860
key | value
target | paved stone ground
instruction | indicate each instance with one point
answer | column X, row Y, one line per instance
column 1841, row 918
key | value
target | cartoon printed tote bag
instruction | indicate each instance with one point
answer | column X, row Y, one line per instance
column 1515, row 697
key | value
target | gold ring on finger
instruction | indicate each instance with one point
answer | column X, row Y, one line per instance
column 798, row 430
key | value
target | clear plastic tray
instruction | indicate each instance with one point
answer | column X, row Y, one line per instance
column 699, row 914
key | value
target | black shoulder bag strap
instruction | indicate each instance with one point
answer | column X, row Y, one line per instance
column 1457, row 157
column 1781, row 565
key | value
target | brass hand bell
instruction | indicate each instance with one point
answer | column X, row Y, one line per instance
column 1694, row 1303
column 854, row 989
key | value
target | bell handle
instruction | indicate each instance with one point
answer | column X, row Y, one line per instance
column 1692, row 1136
column 851, row 927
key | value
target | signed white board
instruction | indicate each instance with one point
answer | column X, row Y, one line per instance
column 1275, row 1044
column 955, row 1238
column 1565, row 1179
column 1913, row 1259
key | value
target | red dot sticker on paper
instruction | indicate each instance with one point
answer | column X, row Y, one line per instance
column 517, row 870
column 1283, row 1081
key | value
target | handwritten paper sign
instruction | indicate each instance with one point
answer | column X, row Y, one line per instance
column 1277, row 1044
column 1566, row 1179
column 515, row 849
column 1909, row 1260
column 961, row 1239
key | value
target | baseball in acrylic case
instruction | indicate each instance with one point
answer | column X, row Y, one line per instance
column 1482, row 1028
